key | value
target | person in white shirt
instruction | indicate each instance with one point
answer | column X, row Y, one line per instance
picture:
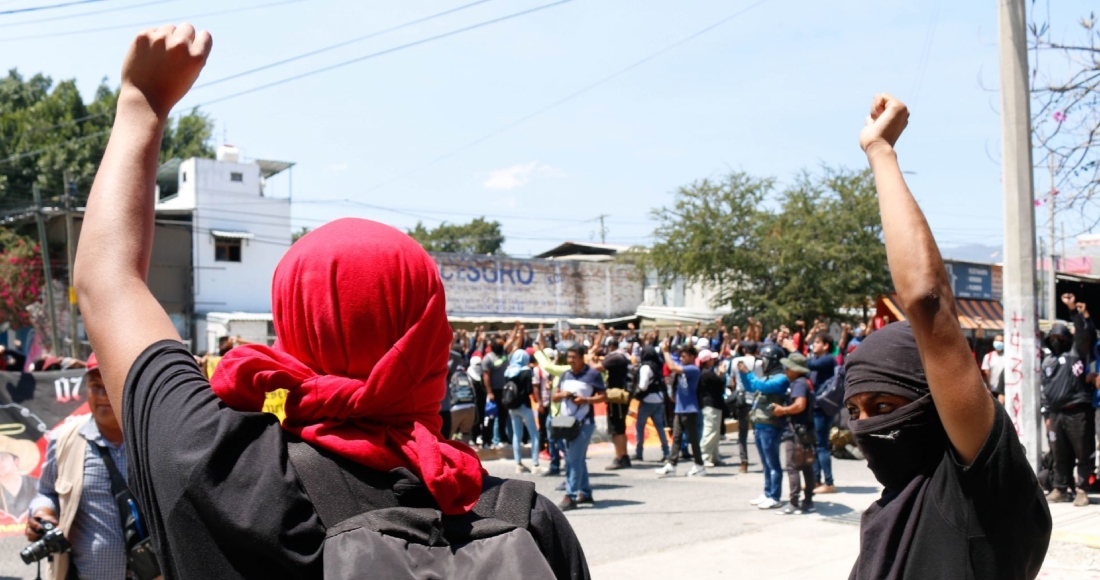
column 993, row 366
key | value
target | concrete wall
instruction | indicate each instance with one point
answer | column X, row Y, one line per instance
column 224, row 204
column 478, row 285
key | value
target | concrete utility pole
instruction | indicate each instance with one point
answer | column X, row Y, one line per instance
column 1052, row 272
column 45, row 246
column 603, row 230
column 70, row 247
column 1021, row 323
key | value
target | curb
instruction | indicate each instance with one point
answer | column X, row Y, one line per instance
column 1089, row 540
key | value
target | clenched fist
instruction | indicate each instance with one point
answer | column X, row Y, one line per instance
column 884, row 125
column 162, row 64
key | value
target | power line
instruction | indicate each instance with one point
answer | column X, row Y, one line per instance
column 81, row 14
column 152, row 22
column 56, row 126
column 566, row 98
column 383, row 52
column 47, row 7
column 339, row 45
column 316, row 71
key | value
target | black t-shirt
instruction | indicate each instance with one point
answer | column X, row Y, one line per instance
column 712, row 390
column 219, row 495
column 985, row 521
column 800, row 387
column 617, row 366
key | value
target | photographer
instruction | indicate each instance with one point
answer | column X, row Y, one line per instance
column 75, row 492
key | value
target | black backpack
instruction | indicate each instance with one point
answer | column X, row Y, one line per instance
column 830, row 397
column 398, row 532
column 516, row 390
column 462, row 392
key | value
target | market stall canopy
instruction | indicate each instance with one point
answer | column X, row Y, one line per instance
column 970, row 310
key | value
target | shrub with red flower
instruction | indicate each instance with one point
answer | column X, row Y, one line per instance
column 20, row 277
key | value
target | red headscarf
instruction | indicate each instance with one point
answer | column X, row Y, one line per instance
column 363, row 345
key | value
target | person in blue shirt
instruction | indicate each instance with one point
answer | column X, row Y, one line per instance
column 822, row 365
column 770, row 392
column 687, row 409
column 579, row 389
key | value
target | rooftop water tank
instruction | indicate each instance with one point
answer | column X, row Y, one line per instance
column 229, row 153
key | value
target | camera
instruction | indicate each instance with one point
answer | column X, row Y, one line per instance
column 52, row 542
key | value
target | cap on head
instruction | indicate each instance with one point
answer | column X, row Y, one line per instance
column 93, row 363
column 796, row 362
column 705, row 356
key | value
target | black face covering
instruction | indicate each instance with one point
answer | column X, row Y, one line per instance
column 498, row 349
column 901, row 445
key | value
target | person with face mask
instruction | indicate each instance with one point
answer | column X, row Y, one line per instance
column 993, row 367
column 1067, row 401
column 960, row 498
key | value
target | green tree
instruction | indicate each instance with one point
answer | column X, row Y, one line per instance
column 812, row 249
column 477, row 237
column 295, row 236
column 47, row 130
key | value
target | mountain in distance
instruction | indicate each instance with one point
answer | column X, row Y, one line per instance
column 979, row 253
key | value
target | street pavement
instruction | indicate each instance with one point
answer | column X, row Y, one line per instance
column 644, row 526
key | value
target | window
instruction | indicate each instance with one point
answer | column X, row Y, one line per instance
column 236, row 176
column 227, row 250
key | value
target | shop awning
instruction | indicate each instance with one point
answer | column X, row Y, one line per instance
column 970, row 310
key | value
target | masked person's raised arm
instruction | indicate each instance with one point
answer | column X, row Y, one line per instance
column 921, row 283
column 120, row 313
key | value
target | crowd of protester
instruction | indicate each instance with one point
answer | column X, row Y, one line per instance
column 685, row 381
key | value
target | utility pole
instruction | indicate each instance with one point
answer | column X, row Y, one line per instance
column 1021, row 323
column 70, row 247
column 603, row 230
column 1052, row 271
column 44, row 245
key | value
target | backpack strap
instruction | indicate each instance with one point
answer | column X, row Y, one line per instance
column 339, row 491
column 508, row 500
column 335, row 496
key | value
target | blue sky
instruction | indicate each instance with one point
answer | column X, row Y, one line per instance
column 782, row 87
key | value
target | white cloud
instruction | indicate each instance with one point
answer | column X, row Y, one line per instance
column 517, row 175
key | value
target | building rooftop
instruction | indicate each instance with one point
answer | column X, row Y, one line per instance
column 573, row 250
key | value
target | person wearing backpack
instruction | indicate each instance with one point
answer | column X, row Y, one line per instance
column 651, row 401
column 360, row 311
column 516, row 397
column 462, row 395
column 823, row 367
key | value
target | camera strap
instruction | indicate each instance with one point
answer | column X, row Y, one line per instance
column 128, row 514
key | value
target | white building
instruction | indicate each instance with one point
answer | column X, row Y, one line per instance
column 238, row 235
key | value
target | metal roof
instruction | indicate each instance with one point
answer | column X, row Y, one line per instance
column 587, row 248
column 227, row 317
column 233, row 235
column 269, row 167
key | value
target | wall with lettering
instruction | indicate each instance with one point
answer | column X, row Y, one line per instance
column 479, row 285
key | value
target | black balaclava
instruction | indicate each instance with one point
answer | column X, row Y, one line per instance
column 910, row 440
column 1059, row 339
column 498, row 347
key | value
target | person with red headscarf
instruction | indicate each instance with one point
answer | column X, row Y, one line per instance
column 362, row 348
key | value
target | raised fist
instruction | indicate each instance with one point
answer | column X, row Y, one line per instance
column 884, row 125
column 163, row 63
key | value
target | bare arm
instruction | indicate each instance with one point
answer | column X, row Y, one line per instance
column 672, row 366
column 920, row 279
column 120, row 313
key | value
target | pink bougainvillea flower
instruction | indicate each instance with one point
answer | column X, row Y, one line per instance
column 1054, row 191
column 1059, row 116
column 1038, row 202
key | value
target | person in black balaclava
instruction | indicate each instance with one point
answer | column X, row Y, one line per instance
column 960, row 498
column 1067, row 403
